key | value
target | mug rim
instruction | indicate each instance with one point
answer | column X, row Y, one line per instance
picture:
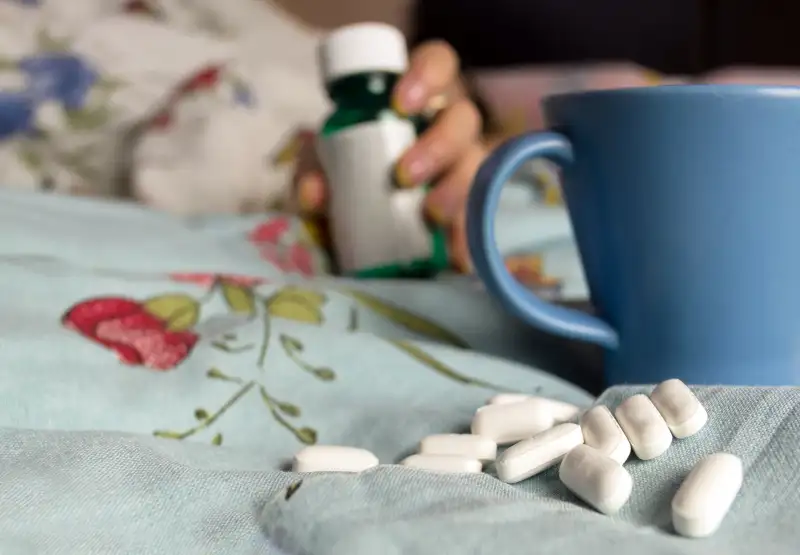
column 717, row 90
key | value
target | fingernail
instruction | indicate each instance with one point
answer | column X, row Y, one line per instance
column 309, row 193
column 437, row 215
column 652, row 78
column 463, row 264
column 409, row 98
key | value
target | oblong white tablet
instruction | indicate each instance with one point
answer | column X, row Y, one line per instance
column 596, row 479
column 645, row 428
column 333, row 458
column 532, row 456
column 680, row 408
column 507, row 398
column 706, row 495
column 601, row 431
column 562, row 411
column 464, row 445
column 443, row 463
column 512, row 422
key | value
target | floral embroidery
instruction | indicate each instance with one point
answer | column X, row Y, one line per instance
column 208, row 280
column 275, row 244
column 159, row 333
column 205, row 81
column 53, row 76
column 270, row 232
column 58, row 76
column 59, row 90
column 151, row 333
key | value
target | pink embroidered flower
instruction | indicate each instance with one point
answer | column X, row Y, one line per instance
column 301, row 259
column 270, row 231
column 276, row 245
column 127, row 328
column 203, row 80
column 208, row 280
column 294, row 259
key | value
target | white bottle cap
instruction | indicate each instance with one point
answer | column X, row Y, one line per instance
column 362, row 48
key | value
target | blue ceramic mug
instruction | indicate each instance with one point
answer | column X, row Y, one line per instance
column 685, row 203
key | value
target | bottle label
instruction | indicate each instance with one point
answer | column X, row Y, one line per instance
column 373, row 223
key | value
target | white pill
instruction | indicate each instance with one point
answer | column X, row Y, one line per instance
column 444, row 463
column 464, row 445
column 513, row 422
column 679, row 407
column 644, row 426
column 596, row 479
column 601, row 431
column 706, row 495
column 333, row 458
column 508, row 398
column 562, row 411
column 532, row 456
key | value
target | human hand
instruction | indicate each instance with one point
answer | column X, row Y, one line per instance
column 447, row 155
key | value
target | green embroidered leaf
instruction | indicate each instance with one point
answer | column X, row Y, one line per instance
column 88, row 119
column 240, row 299
column 216, row 440
column 108, row 85
column 180, row 312
column 291, row 343
column 325, row 374
column 289, row 409
column 166, row 434
column 222, row 346
column 441, row 368
column 408, row 320
column 307, row 435
column 49, row 44
column 217, row 374
column 298, row 304
column 352, row 324
column 201, row 414
column 31, row 158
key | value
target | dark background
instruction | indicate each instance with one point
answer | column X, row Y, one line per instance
column 684, row 37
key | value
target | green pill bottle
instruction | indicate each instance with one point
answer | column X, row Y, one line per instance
column 377, row 229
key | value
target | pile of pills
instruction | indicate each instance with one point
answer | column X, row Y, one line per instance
column 591, row 453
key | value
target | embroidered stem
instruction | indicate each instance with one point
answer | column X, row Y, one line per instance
column 242, row 391
column 292, row 346
column 262, row 352
column 305, row 434
column 352, row 324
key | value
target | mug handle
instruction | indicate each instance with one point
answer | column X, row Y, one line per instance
column 482, row 204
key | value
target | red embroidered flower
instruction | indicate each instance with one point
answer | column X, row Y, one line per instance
column 205, row 79
column 127, row 328
column 276, row 245
column 208, row 280
column 270, row 232
column 162, row 121
column 293, row 259
column 301, row 259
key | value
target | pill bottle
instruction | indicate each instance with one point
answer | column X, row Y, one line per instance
column 378, row 229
